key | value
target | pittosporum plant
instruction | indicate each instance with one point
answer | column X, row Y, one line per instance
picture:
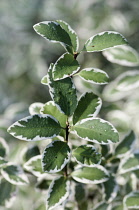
column 89, row 170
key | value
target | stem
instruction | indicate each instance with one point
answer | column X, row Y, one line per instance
column 66, row 139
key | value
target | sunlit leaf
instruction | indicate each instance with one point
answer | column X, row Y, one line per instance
column 96, row 130
column 94, row 75
column 103, row 41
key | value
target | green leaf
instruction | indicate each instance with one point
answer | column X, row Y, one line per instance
column 123, row 55
column 30, row 152
column 45, row 80
column 129, row 163
column 80, row 194
column 128, row 80
column 58, row 192
column 131, row 201
column 125, row 146
column 88, row 106
column 101, row 206
column 71, row 33
column 53, row 109
column 52, row 31
column 63, row 93
column 34, row 165
column 65, row 66
column 14, row 174
column 35, row 128
column 35, row 108
column 110, row 189
column 96, row 130
column 7, row 193
column 4, row 149
column 87, row 175
column 86, row 155
column 55, row 157
column 103, row 41
column 94, row 75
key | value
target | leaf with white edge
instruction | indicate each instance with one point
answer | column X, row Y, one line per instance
column 53, row 109
column 45, row 80
column 123, row 55
column 35, row 108
column 126, row 145
column 14, row 174
column 4, row 149
column 7, row 193
column 129, row 163
column 55, row 157
column 63, row 93
column 52, row 31
column 86, row 155
column 95, row 175
column 88, row 106
column 96, row 130
column 30, row 152
column 128, row 80
column 65, row 66
column 42, row 184
column 72, row 34
column 94, row 75
column 110, row 189
column 34, row 165
column 101, row 206
column 103, row 41
column 58, row 192
column 131, row 201
column 3, row 162
column 35, row 128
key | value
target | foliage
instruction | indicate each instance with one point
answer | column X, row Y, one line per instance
column 68, row 117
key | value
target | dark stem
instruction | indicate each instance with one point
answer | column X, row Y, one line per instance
column 75, row 55
column 66, row 138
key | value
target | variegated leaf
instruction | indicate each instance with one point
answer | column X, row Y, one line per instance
column 103, row 41
column 35, row 128
column 55, row 157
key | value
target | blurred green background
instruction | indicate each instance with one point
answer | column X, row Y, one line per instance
column 25, row 56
